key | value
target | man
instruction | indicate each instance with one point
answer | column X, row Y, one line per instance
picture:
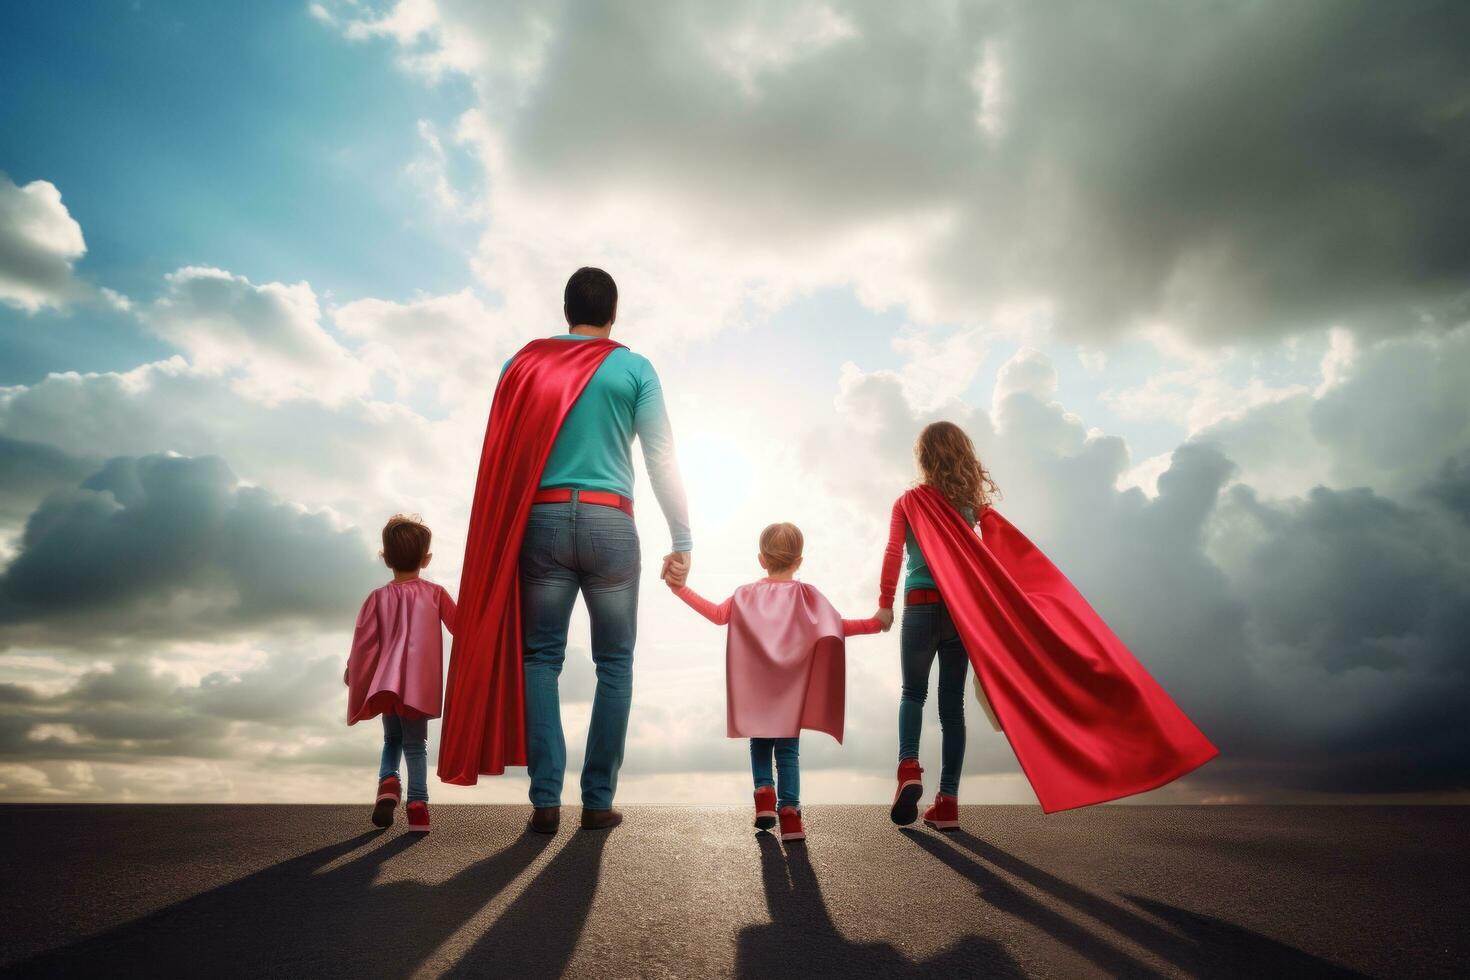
column 576, row 402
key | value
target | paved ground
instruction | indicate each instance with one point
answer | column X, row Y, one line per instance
column 308, row 891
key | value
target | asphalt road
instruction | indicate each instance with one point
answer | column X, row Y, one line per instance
column 313, row 891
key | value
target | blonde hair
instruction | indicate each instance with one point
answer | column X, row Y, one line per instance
column 947, row 459
column 781, row 546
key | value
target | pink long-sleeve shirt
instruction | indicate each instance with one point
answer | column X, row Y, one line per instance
column 720, row 614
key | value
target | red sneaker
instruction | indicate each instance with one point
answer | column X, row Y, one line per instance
column 944, row 814
column 791, row 828
column 389, row 794
column 418, row 816
column 765, row 807
column 910, row 788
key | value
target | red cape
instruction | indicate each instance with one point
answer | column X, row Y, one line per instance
column 484, row 726
column 1086, row 721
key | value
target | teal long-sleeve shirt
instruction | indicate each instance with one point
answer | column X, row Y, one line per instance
column 594, row 449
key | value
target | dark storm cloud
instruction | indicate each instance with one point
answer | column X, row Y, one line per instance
column 31, row 470
column 1319, row 641
column 1232, row 168
column 131, row 711
column 175, row 546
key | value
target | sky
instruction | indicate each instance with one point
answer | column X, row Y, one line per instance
column 1194, row 276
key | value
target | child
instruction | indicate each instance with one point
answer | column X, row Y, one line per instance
column 946, row 460
column 396, row 667
column 784, row 671
column 1087, row 722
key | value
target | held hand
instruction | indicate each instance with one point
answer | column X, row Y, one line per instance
column 884, row 617
column 676, row 569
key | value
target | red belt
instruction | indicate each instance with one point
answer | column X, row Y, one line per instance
column 563, row 495
column 920, row 597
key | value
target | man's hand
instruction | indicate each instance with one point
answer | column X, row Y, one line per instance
column 344, row 675
column 885, row 617
column 676, row 569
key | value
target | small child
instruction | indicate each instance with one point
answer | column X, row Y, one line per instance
column 784, row 671
column 396, row 668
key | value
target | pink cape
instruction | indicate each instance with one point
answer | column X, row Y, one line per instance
column 397, row 661
column 785, row 662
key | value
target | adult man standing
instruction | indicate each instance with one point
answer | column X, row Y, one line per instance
column 552, row 517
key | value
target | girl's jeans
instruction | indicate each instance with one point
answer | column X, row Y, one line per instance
column 408, row 737
column 787, row 752
column 928, row 630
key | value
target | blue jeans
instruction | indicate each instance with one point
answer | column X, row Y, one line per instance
column 591, row 549
column 409, row 738
column 928, row 630
column 788, row 767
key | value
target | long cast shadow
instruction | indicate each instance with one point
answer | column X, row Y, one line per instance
column 537, row 935
column 802, row 940
column 1006, row 897
column 1202, row 946
column 295, row 919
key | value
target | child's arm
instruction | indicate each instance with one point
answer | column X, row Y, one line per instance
column 719, row 615
column 859, row 627
column 446, row 610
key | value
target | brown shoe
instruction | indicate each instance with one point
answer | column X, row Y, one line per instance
column 545, row 819
column 601, row 819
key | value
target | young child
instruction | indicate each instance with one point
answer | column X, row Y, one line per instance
column 396, row 667
column 784, row 671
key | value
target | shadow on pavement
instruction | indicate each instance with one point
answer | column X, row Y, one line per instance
column 802, row 940
column 1202, row 946
column 296, row 919
column 537, row 935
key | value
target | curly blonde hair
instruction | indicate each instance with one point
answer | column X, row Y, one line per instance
column 948, row 462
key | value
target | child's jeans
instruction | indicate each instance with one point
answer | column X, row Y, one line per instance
column 408, row 737
column 927, row 631
column 788, row 767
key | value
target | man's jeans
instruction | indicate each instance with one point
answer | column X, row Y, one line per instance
column 787, row 776
column 408, row 738
column 571, row 548
column 927, row 631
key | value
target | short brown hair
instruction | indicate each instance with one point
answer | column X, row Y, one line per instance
column 405, row 542
column 781, row 546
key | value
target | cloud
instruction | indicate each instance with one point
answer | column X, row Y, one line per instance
column 1316, row 639
column 364, row 459
column 31, row 470
column 175, row 546
column 268, row 339
column 450, row 346
column 1125, row 163
column 39, row 243
column 1386, row 415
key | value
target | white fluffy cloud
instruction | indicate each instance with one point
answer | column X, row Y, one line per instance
column 268, row 339
column 39, row 243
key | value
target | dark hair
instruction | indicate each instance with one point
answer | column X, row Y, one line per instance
column 591, row 297
column 405, row 542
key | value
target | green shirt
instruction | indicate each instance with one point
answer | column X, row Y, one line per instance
column 916, row 574
column 594, row 449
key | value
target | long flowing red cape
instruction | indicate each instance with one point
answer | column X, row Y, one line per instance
column 484, row 726
column 1086, row 721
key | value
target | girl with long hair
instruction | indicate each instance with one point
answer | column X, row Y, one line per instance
column 947, row 462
